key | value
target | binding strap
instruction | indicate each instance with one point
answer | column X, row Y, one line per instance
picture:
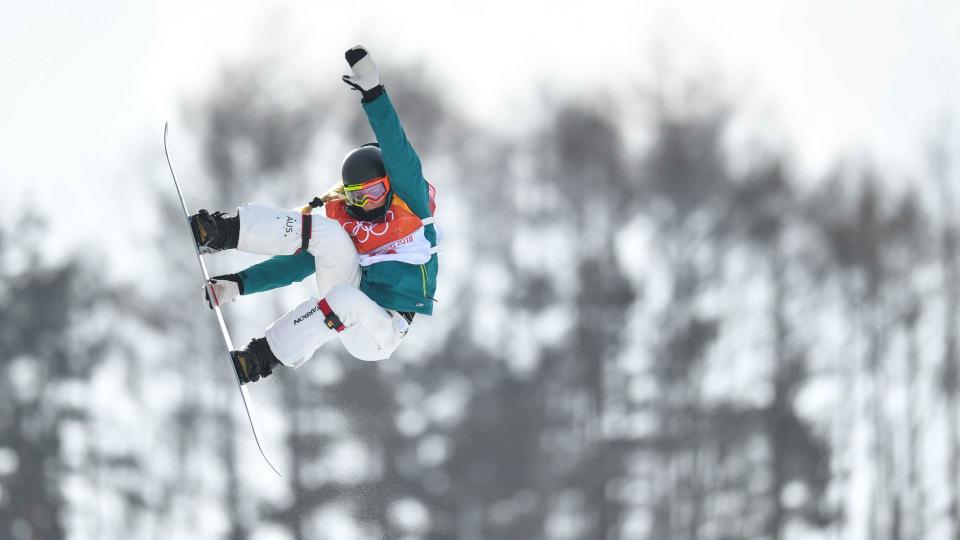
column 330, row 318
column 306, row 229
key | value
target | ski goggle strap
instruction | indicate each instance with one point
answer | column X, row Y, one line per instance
column 372, row 191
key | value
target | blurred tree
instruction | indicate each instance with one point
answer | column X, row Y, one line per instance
column 711, row 450
column 866, row 233
column 686, row 166
column 584, row 157
column 949, row 233
column 258, row 131
column 686, row 174
column 49, row 355
column 767, row 209
column 913, row 509
column 575, row 187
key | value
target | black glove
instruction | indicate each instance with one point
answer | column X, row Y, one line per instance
column 226, row 288
column 365, row 78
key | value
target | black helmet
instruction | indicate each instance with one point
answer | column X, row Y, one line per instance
column 362, row 164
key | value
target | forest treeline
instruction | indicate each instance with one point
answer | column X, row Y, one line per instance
column 631, row 342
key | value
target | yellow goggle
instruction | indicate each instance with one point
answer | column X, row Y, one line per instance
column 371, row 191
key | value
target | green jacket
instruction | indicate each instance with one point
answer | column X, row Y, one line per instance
column 391, row 284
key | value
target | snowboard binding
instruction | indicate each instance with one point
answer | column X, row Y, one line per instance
column 255, row 362
column 215, row 232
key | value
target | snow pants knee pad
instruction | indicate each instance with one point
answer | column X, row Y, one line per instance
column 371, row 332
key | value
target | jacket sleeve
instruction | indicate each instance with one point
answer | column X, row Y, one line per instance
column 400, row 159
column 278, row 271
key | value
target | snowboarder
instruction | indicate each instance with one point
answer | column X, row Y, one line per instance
column 374, row 252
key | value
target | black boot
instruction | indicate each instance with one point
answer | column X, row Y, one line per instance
column 254, row 362
column 215, row 232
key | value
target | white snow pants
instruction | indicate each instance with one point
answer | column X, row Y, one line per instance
column 371, row 332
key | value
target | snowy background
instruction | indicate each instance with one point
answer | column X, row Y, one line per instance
column 699, row 280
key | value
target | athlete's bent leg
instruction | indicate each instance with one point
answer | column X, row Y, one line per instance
column 337, row 261
column 367, row 330
column 271, row 230
column 370, row 333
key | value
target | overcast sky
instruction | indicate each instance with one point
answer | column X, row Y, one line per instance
column 86, row 86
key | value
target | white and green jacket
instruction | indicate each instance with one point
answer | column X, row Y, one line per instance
column 392, row 284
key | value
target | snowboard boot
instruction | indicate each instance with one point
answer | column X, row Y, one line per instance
column 215, row 232
column 254, row 362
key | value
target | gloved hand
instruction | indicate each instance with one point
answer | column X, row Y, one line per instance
column 365, row 78
column 226, row 288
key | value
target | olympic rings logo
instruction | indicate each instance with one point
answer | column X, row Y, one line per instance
column 363, row 230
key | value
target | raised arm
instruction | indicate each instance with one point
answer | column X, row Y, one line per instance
column 400, row 159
